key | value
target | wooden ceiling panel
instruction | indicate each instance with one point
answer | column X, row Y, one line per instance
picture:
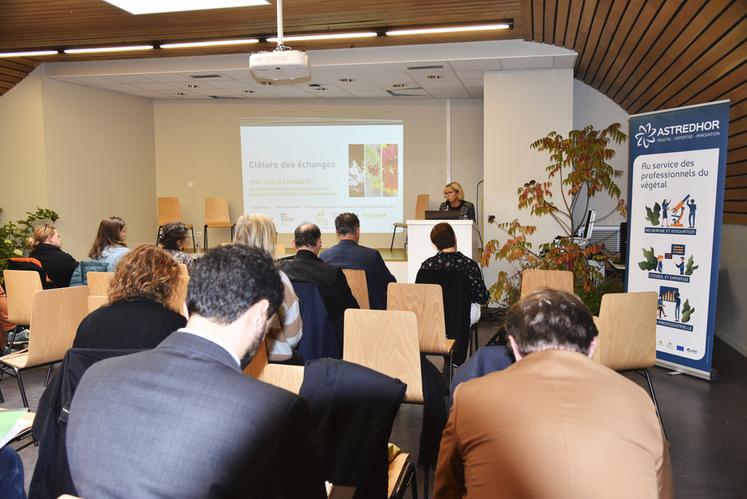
column 612, row 24
column 630, row 15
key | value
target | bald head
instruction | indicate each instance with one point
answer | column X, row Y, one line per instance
column 307, row 236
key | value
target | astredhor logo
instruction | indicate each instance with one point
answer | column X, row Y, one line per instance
column 645, row 135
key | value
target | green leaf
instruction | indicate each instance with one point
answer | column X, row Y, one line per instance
column 690, row 267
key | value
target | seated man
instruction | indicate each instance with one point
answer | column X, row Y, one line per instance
column 348, row 254
column 182, row 420
column 556, row 423
column 306, row 266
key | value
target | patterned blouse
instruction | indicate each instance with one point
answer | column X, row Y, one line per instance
column 457, row 261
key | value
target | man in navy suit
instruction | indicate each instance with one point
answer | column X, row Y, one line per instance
column 182, row 420
column 348, row 254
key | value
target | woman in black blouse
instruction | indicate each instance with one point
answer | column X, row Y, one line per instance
column 137, row 315
column 45, row 245
column 448, row 258
column 454, row 195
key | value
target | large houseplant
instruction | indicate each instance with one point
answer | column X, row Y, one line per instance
column 13, row 234
column 580, row 163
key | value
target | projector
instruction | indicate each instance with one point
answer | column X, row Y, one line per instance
column 280, row 65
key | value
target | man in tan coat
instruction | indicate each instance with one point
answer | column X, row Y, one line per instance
column 555, row 424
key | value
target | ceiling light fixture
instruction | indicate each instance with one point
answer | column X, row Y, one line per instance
column 138, row 7
column 331, row 36
column 209, row 43
column 102, row 50
column 451, row 29
column 30, row 53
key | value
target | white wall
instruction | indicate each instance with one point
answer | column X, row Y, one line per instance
column 198, row 142
column 100, row 162
column 731, row 311
column 520, row 107
column 23, row 169
column 591, row 107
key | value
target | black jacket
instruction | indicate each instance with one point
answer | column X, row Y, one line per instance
column 58, row 265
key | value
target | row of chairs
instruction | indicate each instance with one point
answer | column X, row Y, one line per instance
column 217, row 216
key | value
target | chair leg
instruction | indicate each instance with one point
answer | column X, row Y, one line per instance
column 204, row 238
column 194, row 243
column 2, row 399
column 413, row 483
column 49, row 374
column 656, row 403
column 391, row 245
column 233, row 227
column 426, row 482
column 21, row 389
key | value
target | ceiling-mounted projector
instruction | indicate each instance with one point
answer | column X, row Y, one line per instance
column 280, row 65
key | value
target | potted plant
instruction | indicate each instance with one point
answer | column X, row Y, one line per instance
column 579, row 162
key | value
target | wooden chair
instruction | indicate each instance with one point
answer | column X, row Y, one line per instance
column 98, row 283
column 421, row 204
column 358, row 286
column 55, row 316
column 427, row 303
column 96, row 302
column 279, row 251
column 169, row 210
column 627, row 335
column 20, row 286
column 386, row 341
column 178, row 301
column 532, row 279
column 216, row 217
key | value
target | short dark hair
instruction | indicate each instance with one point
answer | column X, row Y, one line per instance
column 347, row 223
column 171, row 234
column 306, row 234
column 442, row 235
column 229, row 279
column 551, row 319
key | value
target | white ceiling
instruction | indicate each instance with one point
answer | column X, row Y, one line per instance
column 437, row 70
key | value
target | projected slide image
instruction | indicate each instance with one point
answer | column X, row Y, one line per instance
column 373, row 170
column 356, row 176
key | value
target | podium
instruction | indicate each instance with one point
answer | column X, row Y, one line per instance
column 420, row 247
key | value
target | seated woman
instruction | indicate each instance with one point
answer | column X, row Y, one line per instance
column 172, row 239
column 137, row 315
column 45, row 245
column 448, row 258
column 286, row 329
column 109, row 245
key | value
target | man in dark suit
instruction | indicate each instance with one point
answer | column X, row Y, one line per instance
column 306, row 266
column 182, row 420
column 348, row 254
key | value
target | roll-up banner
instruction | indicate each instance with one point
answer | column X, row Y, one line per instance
column 676, row 192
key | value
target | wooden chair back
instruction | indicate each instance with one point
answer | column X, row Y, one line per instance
column 216, row 212
column 20, row 286
column 95, row 302
column 279, row 251
column 55, row 316
column 627, row 330
column 532, row 279
column 426, row 301
column 169, row 210
column 386, row 341
column 98, row 283
column 178, row 301
column 283, row 376
column 421, row 205
column 358, row 286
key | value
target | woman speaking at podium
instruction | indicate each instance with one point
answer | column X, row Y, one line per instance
column 454, row 195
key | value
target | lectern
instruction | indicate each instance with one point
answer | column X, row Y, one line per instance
column 419, row 246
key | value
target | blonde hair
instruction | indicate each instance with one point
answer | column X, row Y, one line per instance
column 256, row 230
column 41, row 233
column 456, row 187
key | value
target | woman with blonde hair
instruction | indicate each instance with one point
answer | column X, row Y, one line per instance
column 45, row 244
column 109, row 245
column 454, row 195
column 286, row 330
column 137, row 315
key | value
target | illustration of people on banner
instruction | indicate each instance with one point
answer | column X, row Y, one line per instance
column 668, row 265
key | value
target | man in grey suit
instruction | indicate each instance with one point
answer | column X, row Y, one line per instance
column 182, row 420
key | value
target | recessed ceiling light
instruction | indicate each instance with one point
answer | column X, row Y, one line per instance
column 153, row 6
column 452, row 29
column 347, row 80
column 210, row 43
column 329, row 36
column 101, row 50
column 434, row 77
column 30, row 53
